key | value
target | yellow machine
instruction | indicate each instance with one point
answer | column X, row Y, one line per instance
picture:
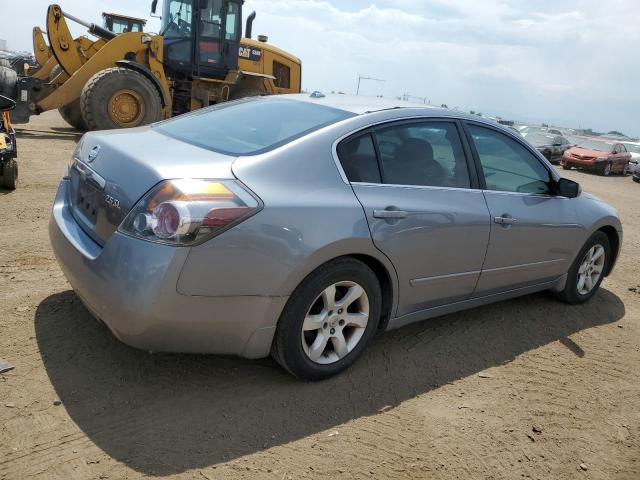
column 135, row 78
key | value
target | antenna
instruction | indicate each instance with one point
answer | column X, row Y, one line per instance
column 363, row 77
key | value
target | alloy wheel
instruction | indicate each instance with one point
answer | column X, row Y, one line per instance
column 335, row 323
column 591, row 269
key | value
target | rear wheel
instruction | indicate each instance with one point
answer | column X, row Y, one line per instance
column 73, row 115
column 119, row 98
column 626, row 170
column 9, row 177
column 328, row 320
column 588, row 270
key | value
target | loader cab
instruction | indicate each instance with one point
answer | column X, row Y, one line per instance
column 122, row 23
column 201, row 37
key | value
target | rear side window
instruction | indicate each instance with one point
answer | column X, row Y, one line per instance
column 423, row 154
column 251, row 126
column 507, row 165
column 358, row 159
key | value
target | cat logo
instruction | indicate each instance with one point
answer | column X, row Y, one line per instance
column 249, row 53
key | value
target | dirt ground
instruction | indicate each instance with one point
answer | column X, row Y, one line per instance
column 454, row 397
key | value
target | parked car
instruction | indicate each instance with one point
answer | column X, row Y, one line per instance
column 598, row 156
column 634, row 150
column 636, row 173
column 550, row 145
column 299, row 226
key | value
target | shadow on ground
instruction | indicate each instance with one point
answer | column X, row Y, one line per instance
column 162, row 414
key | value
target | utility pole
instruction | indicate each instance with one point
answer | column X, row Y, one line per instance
column 362, row 77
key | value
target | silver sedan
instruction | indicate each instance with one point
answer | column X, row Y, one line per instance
column 300, row 226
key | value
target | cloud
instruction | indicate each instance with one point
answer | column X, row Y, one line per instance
column 564, row 61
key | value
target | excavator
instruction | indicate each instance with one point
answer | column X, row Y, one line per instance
column 121, row 80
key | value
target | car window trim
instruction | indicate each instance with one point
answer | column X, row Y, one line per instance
column 370, row 129
column 553, row 176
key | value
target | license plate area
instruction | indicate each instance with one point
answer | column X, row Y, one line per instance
column 88, row 201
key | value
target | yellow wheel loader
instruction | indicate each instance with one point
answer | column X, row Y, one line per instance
column 135, row 78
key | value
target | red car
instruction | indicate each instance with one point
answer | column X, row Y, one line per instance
column 601, row 157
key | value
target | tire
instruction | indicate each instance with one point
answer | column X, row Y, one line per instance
column 571, row 293
column 98, row 101
column 9, row 178
column 566, row 166
column 8, row 80
column 288, row 349
column 73, row 116
column 626, row 171
column 637, row 180
column 604, row 169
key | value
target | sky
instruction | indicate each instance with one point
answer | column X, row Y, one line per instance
column 573, row 63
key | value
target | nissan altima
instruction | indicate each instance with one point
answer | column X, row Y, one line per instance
column 300, row 226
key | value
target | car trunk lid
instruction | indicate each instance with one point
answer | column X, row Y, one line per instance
column 112, row 170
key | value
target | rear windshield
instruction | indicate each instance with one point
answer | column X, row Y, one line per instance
column 251, row 126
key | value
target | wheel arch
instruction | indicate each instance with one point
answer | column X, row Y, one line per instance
column 614, row 242
column 138, row 67
column 381, row 267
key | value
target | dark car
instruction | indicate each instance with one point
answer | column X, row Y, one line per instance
column 550, row 145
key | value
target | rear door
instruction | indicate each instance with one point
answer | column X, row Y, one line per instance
column 423, row 207
column 533, row 232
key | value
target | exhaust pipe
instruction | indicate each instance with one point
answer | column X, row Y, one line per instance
column 249, row 28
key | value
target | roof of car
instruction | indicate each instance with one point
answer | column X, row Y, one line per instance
column 359, row 104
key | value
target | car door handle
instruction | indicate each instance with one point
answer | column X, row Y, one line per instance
column 504, row 220
column 390, row 214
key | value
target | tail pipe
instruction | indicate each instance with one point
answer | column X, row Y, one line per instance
column 94, row 29
column 249, row 28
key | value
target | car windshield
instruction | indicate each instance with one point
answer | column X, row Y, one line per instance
column 251, row 126
column 537, row 138
column 595, row 145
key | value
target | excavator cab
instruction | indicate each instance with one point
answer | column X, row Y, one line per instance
column 122, row 23
column 201, row 37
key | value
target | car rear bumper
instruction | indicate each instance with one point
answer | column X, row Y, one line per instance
column 130, row 285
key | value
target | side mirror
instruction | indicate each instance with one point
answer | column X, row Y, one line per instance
column 154, row 5
column 568, row 188
column 6, row 104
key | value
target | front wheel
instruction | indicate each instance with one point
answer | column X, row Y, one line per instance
column 328, row 321
column 119, row 98
column 588, row 270
column 605, row 169
column 565, row 165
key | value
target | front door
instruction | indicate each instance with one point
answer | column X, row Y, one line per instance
column 533, row 232
column 218, row 38
column 425, row 215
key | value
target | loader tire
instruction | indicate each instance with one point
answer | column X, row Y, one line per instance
column 73, row 116
column 119, row 98
column 8, row 80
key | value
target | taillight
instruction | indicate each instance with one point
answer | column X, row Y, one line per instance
column 189, row 211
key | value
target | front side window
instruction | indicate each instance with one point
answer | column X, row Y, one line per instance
column 232, row 21
column 176, row 19
column 423, row 154
column 507, row 165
